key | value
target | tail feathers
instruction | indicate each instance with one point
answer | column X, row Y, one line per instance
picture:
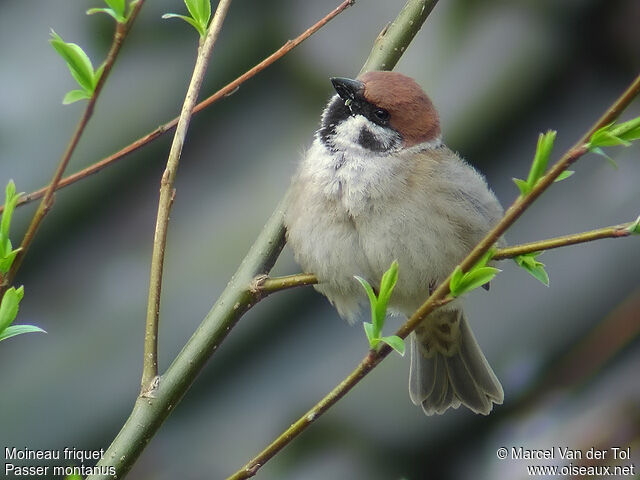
column 438, row 380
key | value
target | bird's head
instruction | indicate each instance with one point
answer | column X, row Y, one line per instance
column 379, row 111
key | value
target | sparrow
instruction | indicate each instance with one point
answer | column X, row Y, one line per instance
column 377, row 185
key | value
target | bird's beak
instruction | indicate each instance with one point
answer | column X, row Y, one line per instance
column 348, row 89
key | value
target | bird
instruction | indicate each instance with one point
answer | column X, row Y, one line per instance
column 376, row 185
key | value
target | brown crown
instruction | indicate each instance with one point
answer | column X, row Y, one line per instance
column 412, row 113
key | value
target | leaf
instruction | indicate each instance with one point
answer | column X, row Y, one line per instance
column 77, row 61
column 97, row 74
column 634, row 228
column 456, row 278
column 474, row 279
column 10, row 202
column 599, row 151
column 387, row 284
column 109, row 12
column 370, row 293
column 627, row 131
column 534, row 267
column 541, row 157
column 564, row 175
column 200, row 10
column 118, row 6
column 9, row 306
column 373, row 302
column 395, row 342
column 74, row 96
column 522, row 186
column 189, row 20
column 369, row 329
column 14, row 330
column 7, row 259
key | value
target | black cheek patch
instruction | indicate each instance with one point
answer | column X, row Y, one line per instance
column 369, row 141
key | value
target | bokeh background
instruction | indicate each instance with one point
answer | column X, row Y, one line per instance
column 500, row 72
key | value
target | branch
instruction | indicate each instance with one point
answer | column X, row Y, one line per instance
column 396, row 36
column 122, row 29
column 439, row 296
column 269, row 285
column 237, row 298
column 167, row 193
column 614, row 231
column 167, row 127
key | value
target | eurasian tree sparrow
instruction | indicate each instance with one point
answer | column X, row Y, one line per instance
column 378, row 184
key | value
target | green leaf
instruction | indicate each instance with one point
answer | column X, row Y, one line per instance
column 541, row 158
column 599, row 151
column 372, row 336
column 474, row 279
column 73, row 477
column 522, row 186
column 456, row 278
column 14, row 330
column 118, row 6
column 77, row 61
column 9, row 306
column 189, row 20
column 627, row 131
column 10, row 202
column 370, row 293
column 97, row 74
column 534, row 267
column 200, row 10
column 109, row 12
column 373, row 302
column 634, row 228
column 7, row 259
column 74, row 96
column 387, row 284
column 394, row 342
column 564, row 175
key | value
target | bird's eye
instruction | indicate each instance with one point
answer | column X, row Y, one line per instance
column 381, row 114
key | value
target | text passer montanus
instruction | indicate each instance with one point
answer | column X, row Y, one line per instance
column 378, row 184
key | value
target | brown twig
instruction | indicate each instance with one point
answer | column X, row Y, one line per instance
column 167, row 127
column 373, row 358
column 269, row 285
column 167, row 192
column 122, row 29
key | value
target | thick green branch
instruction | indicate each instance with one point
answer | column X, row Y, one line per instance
column 239, row 296
column 437, row 298
column 122, row 29
column 396, row 36
column 150, row 364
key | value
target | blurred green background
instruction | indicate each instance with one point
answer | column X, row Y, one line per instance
column 499, row 72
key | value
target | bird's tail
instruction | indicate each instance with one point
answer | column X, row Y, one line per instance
column 448, row 367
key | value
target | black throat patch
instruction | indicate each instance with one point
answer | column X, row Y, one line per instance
column 335, row 113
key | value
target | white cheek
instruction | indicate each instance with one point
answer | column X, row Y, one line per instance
column 348, row 133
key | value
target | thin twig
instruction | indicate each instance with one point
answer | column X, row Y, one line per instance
column 440, row 294
column 122, row 29
column 168, row 126
column 269, row 285
column 150, row 364
column 614, row 231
